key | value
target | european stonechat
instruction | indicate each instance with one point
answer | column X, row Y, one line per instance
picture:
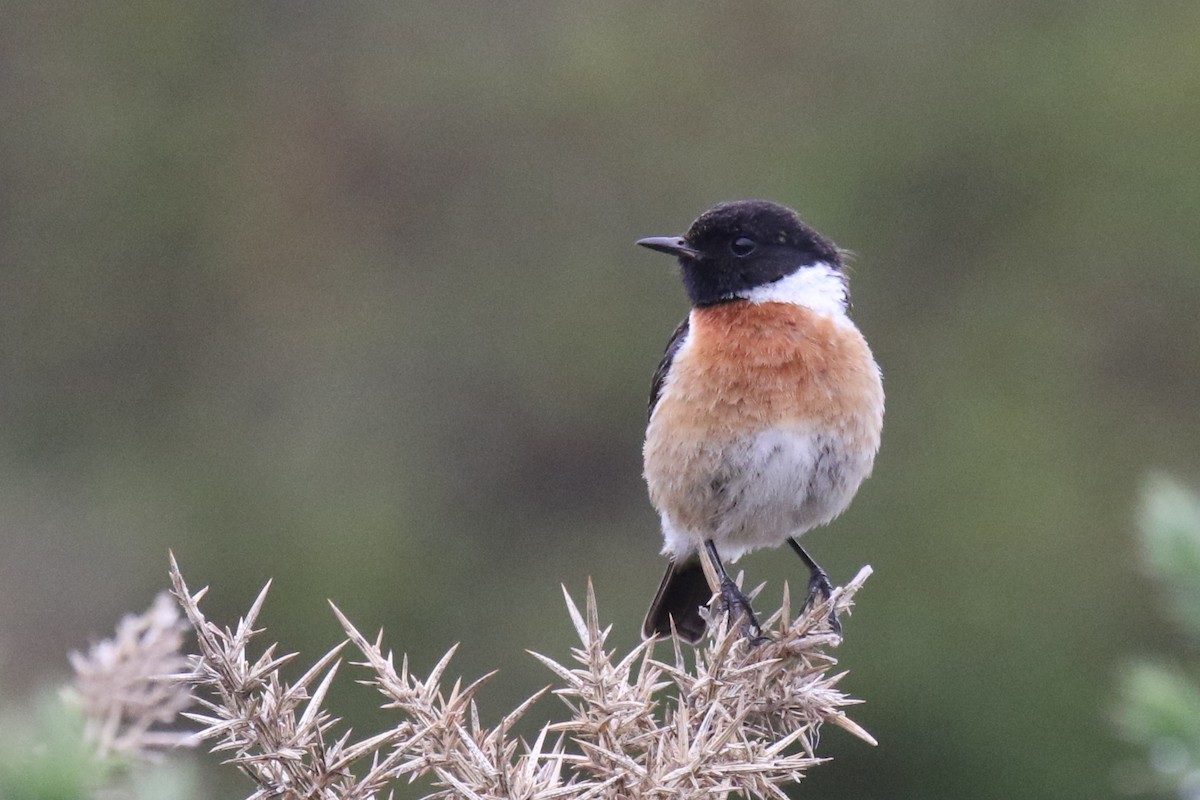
column 765, row 411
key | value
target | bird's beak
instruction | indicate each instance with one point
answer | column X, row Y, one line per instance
column 673, row 245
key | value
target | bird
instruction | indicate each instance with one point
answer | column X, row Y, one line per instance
column 765, row 412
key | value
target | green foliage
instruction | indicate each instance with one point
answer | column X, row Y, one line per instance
column 44, row 756
column 1160, row 704
column 1162, row 709
column 1170, row 526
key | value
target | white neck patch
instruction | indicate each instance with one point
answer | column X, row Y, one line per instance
column 817, row 286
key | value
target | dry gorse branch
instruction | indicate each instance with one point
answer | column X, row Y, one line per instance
column 743, row 720
column 123, row 685
column 276, row 731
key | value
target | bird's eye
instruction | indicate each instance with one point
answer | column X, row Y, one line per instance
column 741, row 246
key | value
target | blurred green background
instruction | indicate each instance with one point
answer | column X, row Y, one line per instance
column 346, row 295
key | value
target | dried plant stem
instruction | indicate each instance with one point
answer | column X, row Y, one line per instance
column 743, row 720
column 128, row 703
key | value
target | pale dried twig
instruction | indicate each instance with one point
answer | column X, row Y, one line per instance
column 123, row 686
column 274, row 731
column 743, row 720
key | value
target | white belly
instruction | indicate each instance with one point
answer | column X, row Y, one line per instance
column 759, row 491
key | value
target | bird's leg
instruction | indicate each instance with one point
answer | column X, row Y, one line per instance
column 818, row 584
column 733, row 599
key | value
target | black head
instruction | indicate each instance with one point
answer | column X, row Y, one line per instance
column 738, row 246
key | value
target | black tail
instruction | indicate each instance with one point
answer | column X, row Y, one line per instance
column 683, row 591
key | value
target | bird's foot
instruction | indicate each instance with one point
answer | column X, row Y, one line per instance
column 819, row 586
column 736, row 604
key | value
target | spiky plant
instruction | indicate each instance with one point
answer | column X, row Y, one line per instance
column 743, row 720
column 122, row 685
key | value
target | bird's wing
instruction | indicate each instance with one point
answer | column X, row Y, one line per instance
column 664, row 366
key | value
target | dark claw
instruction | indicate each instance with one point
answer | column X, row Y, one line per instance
column 819, row 585
column 733, row 600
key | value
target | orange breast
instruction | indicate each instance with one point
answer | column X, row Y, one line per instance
column 747, row 367
column 744, row 369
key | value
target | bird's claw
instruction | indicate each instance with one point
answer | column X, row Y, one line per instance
column 819, row 586
column 733, row 601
